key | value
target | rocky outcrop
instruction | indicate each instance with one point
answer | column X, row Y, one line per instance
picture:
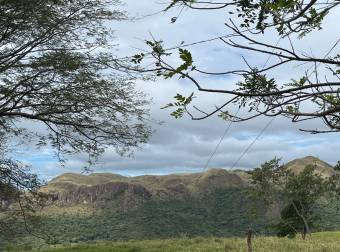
column 123, row 193
column 131, row 194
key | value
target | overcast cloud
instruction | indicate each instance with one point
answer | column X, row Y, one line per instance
column 183, row 145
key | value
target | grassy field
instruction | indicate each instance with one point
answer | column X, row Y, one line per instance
column 318, row 242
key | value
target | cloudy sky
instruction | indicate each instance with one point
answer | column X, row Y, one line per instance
column 183, row 145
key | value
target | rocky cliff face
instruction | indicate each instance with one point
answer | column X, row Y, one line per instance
column 103, row 190
column 124, row 193
column 131, row 195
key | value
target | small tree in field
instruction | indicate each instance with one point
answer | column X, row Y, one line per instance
column 300, row 192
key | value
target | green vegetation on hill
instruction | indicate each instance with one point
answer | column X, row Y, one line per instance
column 224, row 213
column 116, row 208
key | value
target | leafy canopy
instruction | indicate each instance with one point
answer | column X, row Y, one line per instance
column 61, row 86
column 57, row 73
column 299, row 192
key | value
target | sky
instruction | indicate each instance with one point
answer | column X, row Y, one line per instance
column 183, row 145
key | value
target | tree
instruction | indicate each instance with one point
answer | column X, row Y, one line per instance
column 337, row 166
column 57, row 72
column 19, row 198
column 334, row 189
column 256, row 88
column 291, row 224
column 300, row 193
column 61, row 86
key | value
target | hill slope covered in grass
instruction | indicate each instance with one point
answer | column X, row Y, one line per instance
column 318, row 242
column 113, row 207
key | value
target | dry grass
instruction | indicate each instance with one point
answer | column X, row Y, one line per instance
column 319, row 242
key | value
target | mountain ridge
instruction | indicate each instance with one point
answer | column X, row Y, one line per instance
column 98, row 178
column 99, row 188
column 212, row 203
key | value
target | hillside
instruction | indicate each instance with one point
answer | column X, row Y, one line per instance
column 322, row 167
column 218, row 177
column 128, row 192
column 99, row 189
column 114, row 207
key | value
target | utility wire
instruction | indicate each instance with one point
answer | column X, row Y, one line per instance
column 270, row 122
column 267, row 125
column 253, row 142
column 229, row 126
column 219, row 143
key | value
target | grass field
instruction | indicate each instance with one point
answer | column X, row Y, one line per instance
column 318, row 242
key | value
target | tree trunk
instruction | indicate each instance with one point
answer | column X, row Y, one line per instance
column 306, row 229
column 249, row 240
column 304, row 232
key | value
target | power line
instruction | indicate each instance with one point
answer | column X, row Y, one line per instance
column 270, row 122
column 219, row 143
column 267, row 125
column 253, row 142
column 228, row 128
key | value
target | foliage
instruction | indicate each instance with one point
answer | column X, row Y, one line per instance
column 222, row 213
column 334, row 190
column 337, row 166
column 257, row 87
column 300, row 192
column 265, row 14
column 19, row 200
column 60, row 86
column 57, row 73
column 181, row 103
column 291, row 223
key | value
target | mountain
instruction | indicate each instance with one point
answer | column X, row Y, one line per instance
column 104, row 206
column 100, row 188
column 321, row 167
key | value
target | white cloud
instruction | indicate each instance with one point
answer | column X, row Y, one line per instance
column 185, row 145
